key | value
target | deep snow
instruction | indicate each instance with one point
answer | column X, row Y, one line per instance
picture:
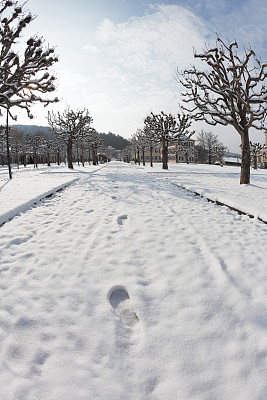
column 125, row 286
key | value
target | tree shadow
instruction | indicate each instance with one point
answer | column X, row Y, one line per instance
column 1, row 187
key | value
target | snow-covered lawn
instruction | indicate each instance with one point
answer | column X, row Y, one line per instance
column 125, row 286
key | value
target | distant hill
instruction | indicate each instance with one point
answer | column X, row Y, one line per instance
column 34, row 130
column 116, row 141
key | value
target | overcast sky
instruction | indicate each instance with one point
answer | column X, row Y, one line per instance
column 118, row 58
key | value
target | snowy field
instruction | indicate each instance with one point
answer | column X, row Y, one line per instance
column 125, row 286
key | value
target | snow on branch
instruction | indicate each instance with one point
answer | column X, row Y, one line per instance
column 23, row 77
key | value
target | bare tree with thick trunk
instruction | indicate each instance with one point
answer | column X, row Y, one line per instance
column 23, row 79
column 167, row 129
column 230, row 92
column 66, row 126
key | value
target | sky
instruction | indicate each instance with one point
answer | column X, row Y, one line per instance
column 119, row 58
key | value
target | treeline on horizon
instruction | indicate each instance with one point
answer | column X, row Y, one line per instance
column 111, row 139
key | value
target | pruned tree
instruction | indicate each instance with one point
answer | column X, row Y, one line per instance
column 95, row 143
column 212, row 149
column 255, row 151
column 142, row 143
column 23, row 78
column 34, row 144
column 126, row 154
column 230, row 92
column 167, row 129
column 84, row 133
column 151, row 138
column 66, row 127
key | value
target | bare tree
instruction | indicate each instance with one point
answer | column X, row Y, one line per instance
column 84, row 132
column 151, row 139
column 167, row 129
column 211, row 146
column 255, row 150
column 142, row 143
column 34, row 144
column 23, row 79
column 230, row 92
column 66, row 126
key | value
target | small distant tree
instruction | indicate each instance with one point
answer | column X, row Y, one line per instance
column 212, row 149
column 167, row 129
column 230, row 92
column 140, row 142
column 34, row 144
column 255, row 150
column 150, row 137
column 66, row 127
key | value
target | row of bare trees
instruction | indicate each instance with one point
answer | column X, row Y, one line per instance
column 230, row 91
column 160, row 130
column 74, row 139
column 72, row 127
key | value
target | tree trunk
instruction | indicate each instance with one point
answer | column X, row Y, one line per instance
column 209, row 156
column 69, row 152
column 164, row 154
column 245, row 162
column 143, row 154
column 138, row 157
column 35, row 164
column 255, row 161
column 7, row 147
column 94, row 157
column 151, row 156
column 82, row 156
column 89, row 155
column 48, row 159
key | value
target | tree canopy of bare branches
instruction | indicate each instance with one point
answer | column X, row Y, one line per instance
column 231, row 91
column 25, row 78
column 166, row 129
column 211, row 148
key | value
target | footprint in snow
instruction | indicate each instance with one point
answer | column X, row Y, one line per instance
column 120, row 301
column 121, row 218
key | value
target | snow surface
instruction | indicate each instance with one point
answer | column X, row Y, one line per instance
column 125, row 286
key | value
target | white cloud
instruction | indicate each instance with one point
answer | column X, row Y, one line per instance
column 153, row 45
column 71, row 80
column 138, row 66
column 92, row 49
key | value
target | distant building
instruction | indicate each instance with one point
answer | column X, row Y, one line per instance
column 183, row 151
column 156, row 155
column 262, row 158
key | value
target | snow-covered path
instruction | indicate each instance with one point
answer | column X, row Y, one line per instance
column 195, row 274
